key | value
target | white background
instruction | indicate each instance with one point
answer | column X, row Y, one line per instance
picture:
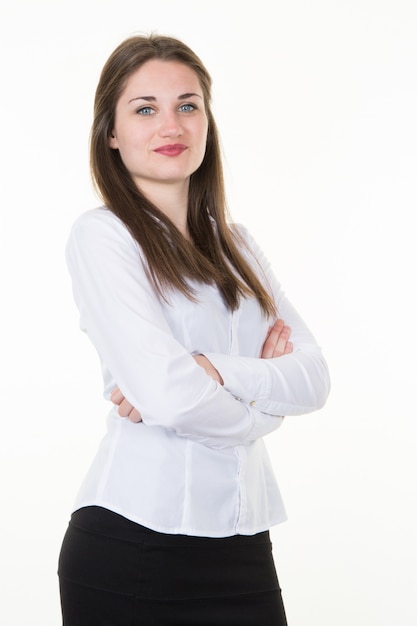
column 317, row 105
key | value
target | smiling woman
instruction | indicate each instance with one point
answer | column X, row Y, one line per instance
column 162, row 137
column 171, row 524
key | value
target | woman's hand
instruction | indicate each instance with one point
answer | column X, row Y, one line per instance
column 125, row 408
column 277, row 341
column 209, row 368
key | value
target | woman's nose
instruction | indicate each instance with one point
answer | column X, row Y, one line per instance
column 170, row 125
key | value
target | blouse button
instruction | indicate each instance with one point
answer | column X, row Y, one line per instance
column 252, row 403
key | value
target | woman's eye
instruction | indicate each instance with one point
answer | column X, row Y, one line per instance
column 187, row 108
column 145, row 111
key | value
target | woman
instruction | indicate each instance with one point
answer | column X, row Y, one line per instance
column 171, row 523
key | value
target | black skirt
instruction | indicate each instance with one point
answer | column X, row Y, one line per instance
column 114, row 572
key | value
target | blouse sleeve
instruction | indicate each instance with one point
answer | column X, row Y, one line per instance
column 294, row 384
column 122, row 315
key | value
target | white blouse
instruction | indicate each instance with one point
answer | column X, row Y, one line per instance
column 197, row 463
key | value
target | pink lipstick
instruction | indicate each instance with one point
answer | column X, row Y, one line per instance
column 174, row 149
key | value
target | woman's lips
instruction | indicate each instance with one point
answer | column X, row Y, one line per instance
column 174, row 149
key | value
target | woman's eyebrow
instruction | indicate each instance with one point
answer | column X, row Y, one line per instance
column 183, row 96
column 147, row 98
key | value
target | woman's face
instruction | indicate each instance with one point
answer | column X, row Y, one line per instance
column 161, row 124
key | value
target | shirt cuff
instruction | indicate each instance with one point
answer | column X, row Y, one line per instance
column 241, row 380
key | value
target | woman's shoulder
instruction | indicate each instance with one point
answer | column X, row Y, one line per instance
column 98, row 233
column 96, row 216
column 98, row 222
column 243, row 238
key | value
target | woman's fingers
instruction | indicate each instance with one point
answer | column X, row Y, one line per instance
column 128, row 410
column 271, row 340
column 135, row 416
column 289, row 347
column 125, row 408
column 282, row 341
column 116, row 396
column 277, row 341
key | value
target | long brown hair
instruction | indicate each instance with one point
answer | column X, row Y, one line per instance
column 213, row 257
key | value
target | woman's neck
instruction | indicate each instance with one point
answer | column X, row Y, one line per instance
column 172, row 200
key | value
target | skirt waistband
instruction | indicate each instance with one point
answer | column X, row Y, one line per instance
column 101, row 521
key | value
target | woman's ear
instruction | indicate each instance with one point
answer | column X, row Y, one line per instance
column 113, row 141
